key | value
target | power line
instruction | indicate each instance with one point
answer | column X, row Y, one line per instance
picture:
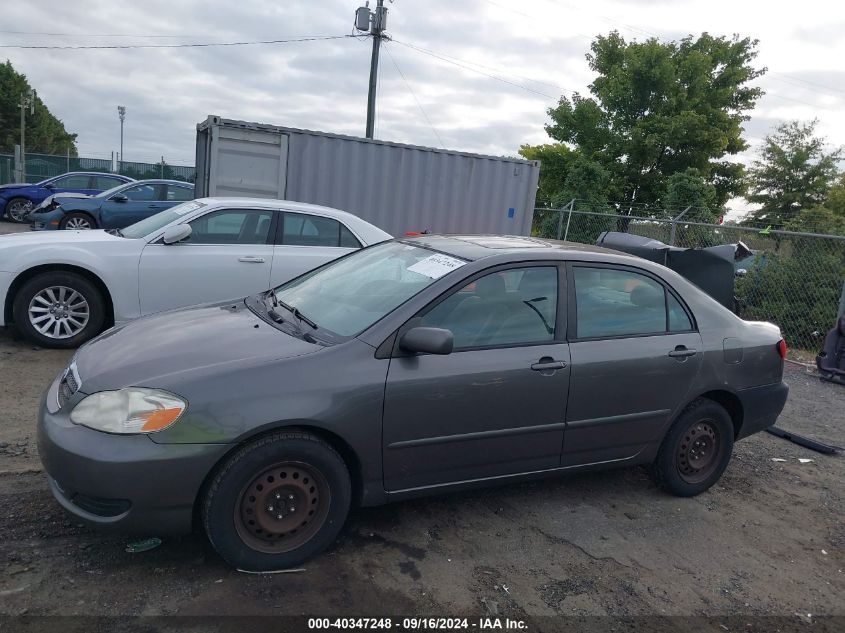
column 464, row 66
column 413, row 94
column 94, row 34
column 305, row 38
column 494, row 69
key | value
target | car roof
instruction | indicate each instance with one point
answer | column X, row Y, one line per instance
column 161, row 181
column 89, row 173
column 475, row 247
column 288, row 205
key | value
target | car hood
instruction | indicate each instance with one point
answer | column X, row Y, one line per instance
column 56, row 237
column 160, row 350
column 15, row 185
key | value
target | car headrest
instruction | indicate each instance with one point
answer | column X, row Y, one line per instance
column 535, row 283
column 490, row 286
column 646, row 297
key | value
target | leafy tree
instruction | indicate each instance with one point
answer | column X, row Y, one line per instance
column 44, row 132
column 689, row 188
column 556, row 160
column 828, row 218
column 660, row 108
column 794, row 173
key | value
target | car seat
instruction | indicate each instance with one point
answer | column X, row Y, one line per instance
column 831, row 360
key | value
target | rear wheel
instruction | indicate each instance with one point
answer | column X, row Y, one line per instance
column 696, row 450
column 78, row 222
column 277, row 502
column 18, row 208
column 59, row 309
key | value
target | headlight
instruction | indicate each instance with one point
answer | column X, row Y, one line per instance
column 130, row 410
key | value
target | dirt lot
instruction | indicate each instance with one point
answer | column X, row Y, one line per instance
column 769, row 539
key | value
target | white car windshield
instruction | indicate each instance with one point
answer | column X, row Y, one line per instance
column 349, row 295
column 159, row 220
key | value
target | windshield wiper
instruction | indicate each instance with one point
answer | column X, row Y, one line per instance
column 293, row 310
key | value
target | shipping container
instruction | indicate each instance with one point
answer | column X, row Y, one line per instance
column 397, row 187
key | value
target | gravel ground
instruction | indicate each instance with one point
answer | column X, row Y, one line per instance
column 769, row 539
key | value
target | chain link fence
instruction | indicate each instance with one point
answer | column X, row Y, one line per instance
column 796, row 280
column 41, row 166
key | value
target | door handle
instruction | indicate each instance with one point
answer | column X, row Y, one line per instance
column 548, row 364
column 682, row 352
column 251, row 260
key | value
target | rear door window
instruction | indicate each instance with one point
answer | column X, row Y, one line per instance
column 175, row 192
column 613, row 302
column 302, row 229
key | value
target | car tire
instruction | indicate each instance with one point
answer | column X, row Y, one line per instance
column 77, row 222
column 696, row 450
column 277, row 502
column 17, row 209
column 59, row 296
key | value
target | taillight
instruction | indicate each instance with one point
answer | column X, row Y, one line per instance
column 782, row 348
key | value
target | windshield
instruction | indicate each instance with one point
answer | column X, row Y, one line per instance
column 349, row 295
column 159, row 220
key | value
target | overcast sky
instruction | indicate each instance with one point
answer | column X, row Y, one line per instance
column 538, row 45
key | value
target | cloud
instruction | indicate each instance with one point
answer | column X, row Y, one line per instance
column 534, row 51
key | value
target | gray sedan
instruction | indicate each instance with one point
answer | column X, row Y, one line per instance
column 412, row 367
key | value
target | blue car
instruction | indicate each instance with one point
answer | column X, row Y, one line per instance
column 18, row 199
column 114, row 209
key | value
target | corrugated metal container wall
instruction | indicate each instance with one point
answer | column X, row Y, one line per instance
column 396, row 187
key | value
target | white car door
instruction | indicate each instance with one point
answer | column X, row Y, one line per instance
column 305, row 241
column 228, row 255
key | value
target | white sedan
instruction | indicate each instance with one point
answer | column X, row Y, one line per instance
column 61, row 288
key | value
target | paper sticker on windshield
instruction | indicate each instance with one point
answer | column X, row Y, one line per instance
column 436, row 266
column 182, row 209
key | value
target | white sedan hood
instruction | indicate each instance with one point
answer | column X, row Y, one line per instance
column 40, row 238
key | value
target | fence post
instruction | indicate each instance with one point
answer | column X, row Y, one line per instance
column 841, row 312
column 560, row 233
column 675, row 225
column 68, row 159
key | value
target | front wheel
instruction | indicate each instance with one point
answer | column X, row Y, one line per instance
column 59, row 309
column 696, row 450
column 18, row 208
column 277, row 502
column 78, row 222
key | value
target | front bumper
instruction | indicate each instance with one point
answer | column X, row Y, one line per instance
column 127, row 483
column 761, row 407
column 45, row 221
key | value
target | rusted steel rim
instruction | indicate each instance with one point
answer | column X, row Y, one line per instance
column 698, row 452
column 283, row 507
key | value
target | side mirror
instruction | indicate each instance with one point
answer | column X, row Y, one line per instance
column 177, row 233
column 740, row 272
column 427, row 340
column 49, row 185
column 119, row 197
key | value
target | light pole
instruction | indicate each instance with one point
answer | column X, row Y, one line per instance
column 121, row 112
column 27, row 101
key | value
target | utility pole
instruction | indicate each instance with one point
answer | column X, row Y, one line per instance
column 27, row 101
column 375, row 22
column 121, row 112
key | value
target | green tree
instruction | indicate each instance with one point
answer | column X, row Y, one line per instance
column 793, row 173
column 689, row 189
column 44, row 132
column 828, row 218
column 660, row 108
